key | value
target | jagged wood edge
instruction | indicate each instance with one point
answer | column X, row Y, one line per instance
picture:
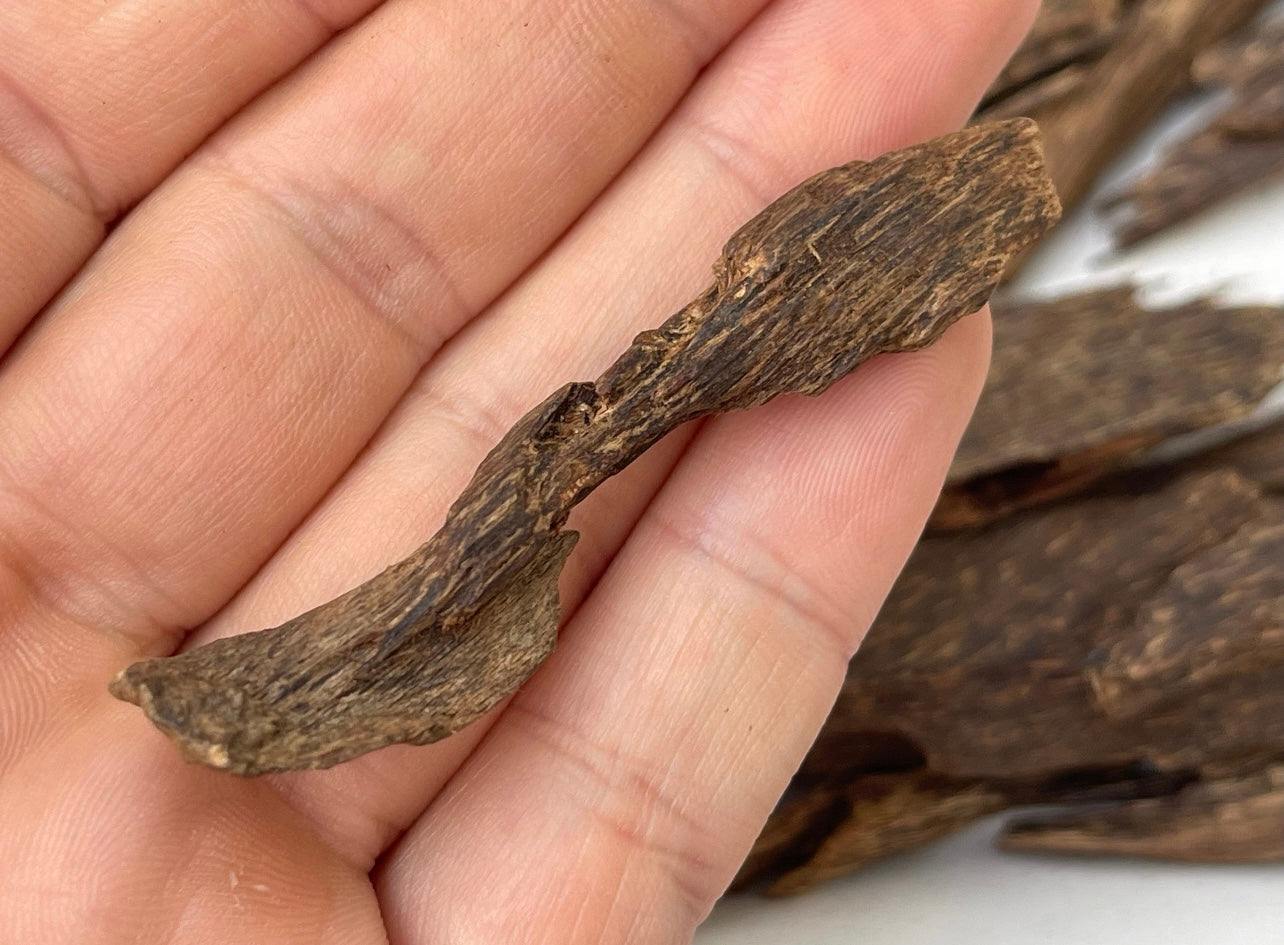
column 1091, row 110
column 1084, row 384
column 933, row 700
column 860, row 260
column 1240, row 148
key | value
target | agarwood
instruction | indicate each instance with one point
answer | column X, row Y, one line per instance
column 1065, row 34
column 1093, row 105
column 1124, row 646
column 869, row 818
column 1079, row 386
column 987, row 655
column 1256, row 454
column 1232, row 820
column 1241, row 147
column 860, row 260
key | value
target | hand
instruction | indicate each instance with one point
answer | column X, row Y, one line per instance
column 282, row 365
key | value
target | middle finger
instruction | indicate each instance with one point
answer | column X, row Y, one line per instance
column 784, row 101
column 173, row 431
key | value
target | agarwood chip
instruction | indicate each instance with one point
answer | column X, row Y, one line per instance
column 1258, row 456
column 860, row 260
column 1065, row 34
column 1234, row 820
column 889, row 814
column 796, row 829
column 1114, row 648
column 984, row 655
column 1216, row 624
column 1243, row 146
column 1080, row 385
column 1091, row 109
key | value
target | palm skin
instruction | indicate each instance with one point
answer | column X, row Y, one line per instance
column 362, row 241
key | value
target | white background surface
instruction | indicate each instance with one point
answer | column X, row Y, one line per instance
column 962, row 891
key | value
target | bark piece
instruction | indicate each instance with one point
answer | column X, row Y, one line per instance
column 1080, row 385
column 1243, row 146
column 862, row 259
column 1234, row 820
column 1093, row 108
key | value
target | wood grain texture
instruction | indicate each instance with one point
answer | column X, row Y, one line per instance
column 1066, row 34
column 1092, row 107
column 1121, row 647
column 1234, row 820
column 1080, row 385
column 860, row 260
column 1242, row 147
column 985, row 655
column 882, row 815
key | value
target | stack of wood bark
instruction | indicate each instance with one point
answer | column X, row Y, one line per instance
column 1096, row 617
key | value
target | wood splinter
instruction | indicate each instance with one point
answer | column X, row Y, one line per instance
column 859, row 260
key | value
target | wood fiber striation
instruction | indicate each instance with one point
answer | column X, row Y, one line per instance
column 1081, row 385
column 1242, row 147
column 859, row 260
column 1095, row 73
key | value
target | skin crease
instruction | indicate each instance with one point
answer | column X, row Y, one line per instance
column 283, row 364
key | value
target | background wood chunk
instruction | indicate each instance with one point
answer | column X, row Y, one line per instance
column 1258, row 455
column 1243, row 146
column 1093, row 107
column 885, row 814
column 1121, row 652
column 1122, row 646
column 1065, row 34
column 1080, row 385
column 982, row 655
column 1235, row 820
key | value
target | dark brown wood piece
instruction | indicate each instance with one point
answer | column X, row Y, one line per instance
column 1094, row 106
column 1234, row 820
column 1258, row 455
column 862, row 259
column 1081, row 385
column 1243, row 146
column 1122, row 646
column 882, row 815
column 985, row 654
column 1066, row 34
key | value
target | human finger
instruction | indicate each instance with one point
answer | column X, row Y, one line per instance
column 99, row 102
column 241, row 336
column 644, row 757
column 667, row 215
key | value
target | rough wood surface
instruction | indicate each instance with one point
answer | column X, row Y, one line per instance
column 1243, row 145
column 1066, row 34
column 1235, row 820
column 862, row 259
column 1123, row 646
column 1258, row 455
column 1080, row 385
column 884, row 814
column 1094, row 106
column 984, row 655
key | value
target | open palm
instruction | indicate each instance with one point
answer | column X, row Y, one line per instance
column 360, row 243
